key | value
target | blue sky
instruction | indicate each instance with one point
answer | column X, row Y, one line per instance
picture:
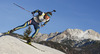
column 73, row 14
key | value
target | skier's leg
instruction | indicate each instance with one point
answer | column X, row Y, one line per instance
column 19, row 27
column 36, row 27
column 23, row 26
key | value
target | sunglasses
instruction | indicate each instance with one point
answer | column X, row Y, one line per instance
column 49, row 15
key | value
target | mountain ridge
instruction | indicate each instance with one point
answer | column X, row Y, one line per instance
column 73, row 34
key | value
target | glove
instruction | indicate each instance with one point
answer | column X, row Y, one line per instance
column 42, row 25
column 32, row 13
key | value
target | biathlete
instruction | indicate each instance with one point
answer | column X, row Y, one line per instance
column 35, row 21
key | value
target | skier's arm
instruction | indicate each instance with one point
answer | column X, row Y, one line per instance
column 45, row 23
column 37, row 11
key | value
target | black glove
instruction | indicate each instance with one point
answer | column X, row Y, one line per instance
column 32, row 13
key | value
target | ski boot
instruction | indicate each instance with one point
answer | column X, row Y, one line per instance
column 9, row 32
column 29, row 41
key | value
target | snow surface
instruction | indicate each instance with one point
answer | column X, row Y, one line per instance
column 12, row 45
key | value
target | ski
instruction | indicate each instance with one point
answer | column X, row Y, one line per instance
column 33, row 46
column 3, row 34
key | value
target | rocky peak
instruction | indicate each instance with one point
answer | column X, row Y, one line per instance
column 72, row 34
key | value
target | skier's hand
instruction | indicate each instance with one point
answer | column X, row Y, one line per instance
column 32, row 13
column 42, row 25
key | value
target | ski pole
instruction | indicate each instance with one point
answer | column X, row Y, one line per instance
column 20, row 7
column 53, row 11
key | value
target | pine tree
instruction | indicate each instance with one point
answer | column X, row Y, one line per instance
column 27, row 32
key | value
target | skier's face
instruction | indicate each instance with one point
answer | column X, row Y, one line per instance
column 47, row 17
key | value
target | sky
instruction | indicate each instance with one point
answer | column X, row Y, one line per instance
column 73, row 14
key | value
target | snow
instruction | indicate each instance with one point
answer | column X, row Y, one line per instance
column 81, row 35
column 12, row 45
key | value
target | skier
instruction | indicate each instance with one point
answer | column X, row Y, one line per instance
column 35, row 21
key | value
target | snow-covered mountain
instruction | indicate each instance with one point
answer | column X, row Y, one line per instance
column 12, row 45
column 73, row 34
column 72, row 41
